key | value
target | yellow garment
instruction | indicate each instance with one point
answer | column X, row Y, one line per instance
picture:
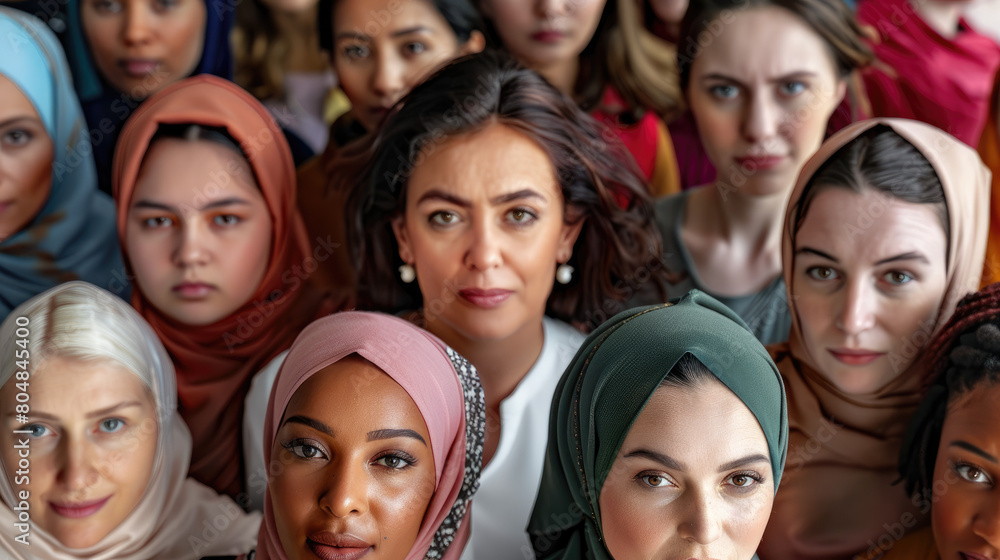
column 915, row 546
column 666, row 179
column 989, row 150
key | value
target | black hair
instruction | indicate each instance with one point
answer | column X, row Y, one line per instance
column 461, row 15
column 881, row 160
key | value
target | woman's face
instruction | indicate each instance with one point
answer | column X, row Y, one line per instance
column 383, row 48
column 142, row 46
column 762, row 91
column 692, row 480
column 966, row 513
column 670, row 12
column 91, row 449
column 544, row 34
column 484, row 227
column 868, row 282
column 350, row 476
column 199, row 231
column 26, row 156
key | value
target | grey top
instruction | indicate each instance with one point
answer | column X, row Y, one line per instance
column 766, row 312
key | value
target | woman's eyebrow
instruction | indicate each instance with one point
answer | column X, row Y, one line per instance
column 973, row 449
column 306, row 421
column 394, row 433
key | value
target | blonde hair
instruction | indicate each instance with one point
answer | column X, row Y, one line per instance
column 80, row 321
column 641, row 66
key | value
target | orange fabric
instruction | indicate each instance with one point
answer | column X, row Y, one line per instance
column 216, row 363
column 837, row 496
column 989, row 150
column 666, row 178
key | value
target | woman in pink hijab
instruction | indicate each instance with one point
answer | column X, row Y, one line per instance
column 374, row 438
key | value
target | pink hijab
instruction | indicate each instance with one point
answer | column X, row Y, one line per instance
column 444, row 386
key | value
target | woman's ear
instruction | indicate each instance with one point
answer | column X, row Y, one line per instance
column 475, row 43
column 402, row 238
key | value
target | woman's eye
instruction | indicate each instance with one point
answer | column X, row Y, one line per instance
column 415, row 47
column 107, row 6
column 724, row 92
column 654, row 480
column 355, row 51
column 303, row 450
column 443, row 218
column 226, row 220
column 745, row 480
column 37, row 430
column 972, row 473
column 17, row 137
column 111, row 425
column 521, row 216
column 822, row 273
column 162, row 5
column 897, row 277
column 791, row 89
column 157, row 222
column 393, row 462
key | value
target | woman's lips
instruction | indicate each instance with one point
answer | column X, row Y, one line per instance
column 78, row 510
column 193, row 290
column 548, row 36
column 138, row 67
column 336, row 546
column 973, row 556
column 855, row 357
column 486, row 299
column 760, row 163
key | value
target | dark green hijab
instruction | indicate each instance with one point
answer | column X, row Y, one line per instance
column 607, row 386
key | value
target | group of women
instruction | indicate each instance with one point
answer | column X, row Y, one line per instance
column 485, row 321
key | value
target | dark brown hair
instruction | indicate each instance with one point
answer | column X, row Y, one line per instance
column 883, row 161
column 618, row 248
column 832, row 20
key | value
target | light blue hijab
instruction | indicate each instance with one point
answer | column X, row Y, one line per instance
column 73, row 237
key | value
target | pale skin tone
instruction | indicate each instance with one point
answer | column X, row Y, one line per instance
column 142, row 46
column 92, row 447
column 547, row 35
column 868, row 282
column 692, row 480
column 356, row 473
column 26, row 156
column 761, row 112
column 670, row 12
column 965, row 517
column 485, row 227
column 199, row 231
column 378, row 61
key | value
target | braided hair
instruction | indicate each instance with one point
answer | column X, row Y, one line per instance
column 963, row 356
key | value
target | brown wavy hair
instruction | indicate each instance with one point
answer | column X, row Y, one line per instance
column 618, row 249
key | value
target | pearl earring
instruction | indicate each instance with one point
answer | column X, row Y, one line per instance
column 407, row 274
column 564, row 273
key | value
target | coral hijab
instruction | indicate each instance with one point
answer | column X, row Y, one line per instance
column 215, row 363
column 837, row 497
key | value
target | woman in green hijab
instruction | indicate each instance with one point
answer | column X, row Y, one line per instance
column 668, row 434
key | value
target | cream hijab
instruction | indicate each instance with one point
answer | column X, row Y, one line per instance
column 837, row 497
column 177, row 518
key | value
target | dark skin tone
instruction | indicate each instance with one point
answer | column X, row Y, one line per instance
column 358, row 471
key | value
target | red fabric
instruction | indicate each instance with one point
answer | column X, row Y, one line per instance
column 943, row 82
column 216, row 363
column 640, row 138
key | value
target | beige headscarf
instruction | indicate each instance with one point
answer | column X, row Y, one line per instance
column 177, row 518
column 837, row 498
